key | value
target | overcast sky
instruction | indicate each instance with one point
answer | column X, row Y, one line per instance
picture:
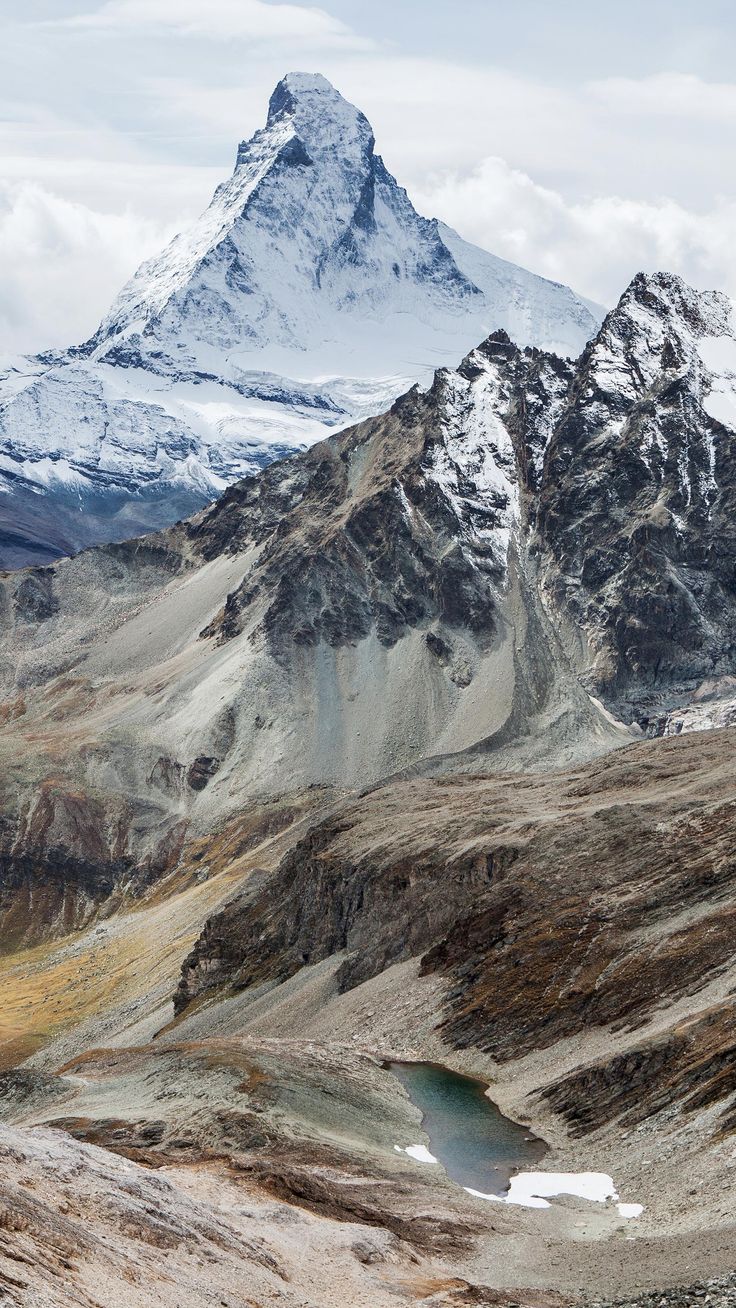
column 582, row 139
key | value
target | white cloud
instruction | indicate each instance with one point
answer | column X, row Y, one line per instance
column 163, row 195
column 223, row 20
column 431, row 114
column 596, row 245
column 668, row 95
column 584, row 181
column 61, row 263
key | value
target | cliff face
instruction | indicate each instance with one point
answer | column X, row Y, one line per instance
column 636, row 511
column 402, row 523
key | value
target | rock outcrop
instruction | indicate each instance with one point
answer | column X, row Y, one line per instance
column 636, row 512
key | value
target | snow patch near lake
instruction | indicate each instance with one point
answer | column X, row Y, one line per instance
column 535, row 1189
column 630, row 1210
column 418, row 1152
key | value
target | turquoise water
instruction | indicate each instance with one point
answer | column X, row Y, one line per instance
column 477, row 1146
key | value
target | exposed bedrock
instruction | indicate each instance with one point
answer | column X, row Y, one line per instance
column 636, row 509
column 692, row 1064
column 70, row 856
column 378, row 911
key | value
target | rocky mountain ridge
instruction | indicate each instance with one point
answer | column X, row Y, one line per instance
column 636, row 512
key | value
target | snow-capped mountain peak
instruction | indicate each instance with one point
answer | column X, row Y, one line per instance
column 319, row 115
column 308, row 123
column 309, row 294
column 309, row 226
column 311, row 256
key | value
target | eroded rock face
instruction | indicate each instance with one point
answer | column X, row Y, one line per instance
column 68, row 857
column 584, row 932
column 693, row 1066
column 402, row 523
column 378, row 910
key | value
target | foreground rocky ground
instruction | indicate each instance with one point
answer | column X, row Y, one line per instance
column 80, row 1225
column 720, row 1293
column 215, row 1039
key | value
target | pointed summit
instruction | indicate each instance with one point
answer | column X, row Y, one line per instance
column 307, row 107
column 299, row 86
column 322, row 117
column 310, row 96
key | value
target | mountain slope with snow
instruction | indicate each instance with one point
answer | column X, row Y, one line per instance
column 636, row 512
column 308, row 295
column 484, row 565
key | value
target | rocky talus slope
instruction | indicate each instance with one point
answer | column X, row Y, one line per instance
column 720, row 1292
column 310, row 293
